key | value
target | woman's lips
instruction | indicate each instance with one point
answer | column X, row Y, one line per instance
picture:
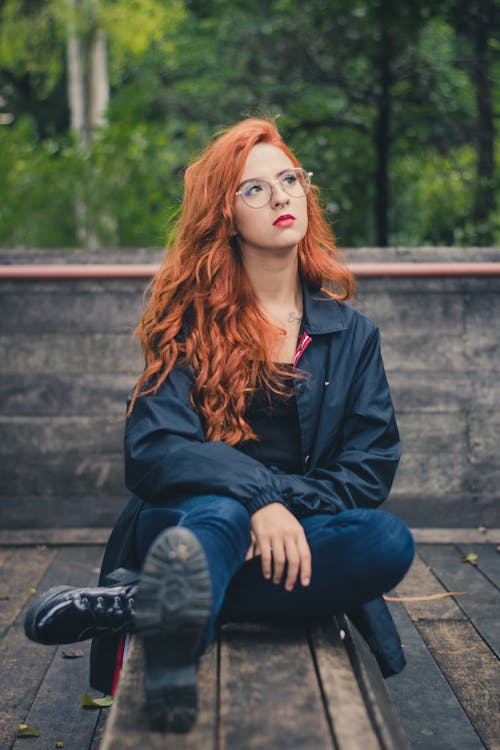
column 286, row 220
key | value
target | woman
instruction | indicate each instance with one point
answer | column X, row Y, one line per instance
column 259, row 439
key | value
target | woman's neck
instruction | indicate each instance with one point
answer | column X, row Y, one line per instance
column 276, row 282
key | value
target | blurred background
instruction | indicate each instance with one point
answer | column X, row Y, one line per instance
column 393, row 105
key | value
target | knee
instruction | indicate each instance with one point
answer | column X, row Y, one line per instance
column 397, row 547
column 225, row 514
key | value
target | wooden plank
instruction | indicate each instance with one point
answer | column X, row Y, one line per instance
column 54, row 537
column 351, row 723
column 90, row 508
column 56, row 711
column 482, row 603
column 28, row 537
column 429, row 711
column 466, row 661
column 383, row 715
column 269, row 693
column 488, row 560
column 20, row 570
column 456, row 536
column 127, row 727
column 472, row 671
column 25, row 664
column 419, row 581
column 54, row 394
column 100, row 727
column 34, row 435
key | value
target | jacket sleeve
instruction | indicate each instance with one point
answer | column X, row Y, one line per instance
column 167, row 457
column 359, row 469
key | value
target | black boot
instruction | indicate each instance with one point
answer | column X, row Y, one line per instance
column 64, row 614
column 173, row 607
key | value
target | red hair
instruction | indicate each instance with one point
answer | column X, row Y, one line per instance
column 202, row 308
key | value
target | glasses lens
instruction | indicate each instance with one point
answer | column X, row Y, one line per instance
column 296, row 182
column 255, row 193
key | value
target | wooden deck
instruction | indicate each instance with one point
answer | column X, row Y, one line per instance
column 446, row 698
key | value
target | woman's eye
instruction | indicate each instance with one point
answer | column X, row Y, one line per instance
column 289, row 178
column 252, row 189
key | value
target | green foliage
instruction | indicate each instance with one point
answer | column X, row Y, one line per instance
column 181, row 70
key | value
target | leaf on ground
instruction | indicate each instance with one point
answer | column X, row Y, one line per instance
column 471, row 558
column 31, row 591
column 59, row 744
column 4, row 598
column 427, row 598
column 90, row 702
column 72, row 653
column 23, row 730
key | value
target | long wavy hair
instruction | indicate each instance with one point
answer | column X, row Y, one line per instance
column 202, row 310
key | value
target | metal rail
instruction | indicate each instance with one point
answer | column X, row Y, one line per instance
column 146, row 270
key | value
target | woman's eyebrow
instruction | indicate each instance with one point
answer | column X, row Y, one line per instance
column 278, row 174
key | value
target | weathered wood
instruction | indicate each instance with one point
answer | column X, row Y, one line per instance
column 42, row 512
column 429, row 711
column 65, row 353
column 488, row 556
column 100, row 727
column 60, row 476
column 382, row 712
column 466, row 661
column 463, row 536
column 54, row 537
column 20, row 570
column 489, row 561
column 420, row 581
column 472, row 671
column 54, row 394
column 32, row 437
column 482, row 603
column 24, row 663
column 127, row 727
column 109, row 312
column 56, row 711
column 463, row 509
column 351, row 723
column 269, row 692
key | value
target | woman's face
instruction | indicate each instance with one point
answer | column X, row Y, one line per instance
column 282, row 222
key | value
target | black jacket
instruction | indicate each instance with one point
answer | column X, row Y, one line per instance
column 350, row 450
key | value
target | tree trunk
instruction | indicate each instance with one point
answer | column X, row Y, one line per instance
column 75, row 56
column 484, row 199
column 382, row 143
column 98, row 82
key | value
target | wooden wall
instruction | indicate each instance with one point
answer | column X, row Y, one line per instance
column 67, row 363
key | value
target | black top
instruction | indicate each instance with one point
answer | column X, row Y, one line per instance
column 275, row 420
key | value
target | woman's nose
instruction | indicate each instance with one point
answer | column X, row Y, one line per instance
column 280, row 196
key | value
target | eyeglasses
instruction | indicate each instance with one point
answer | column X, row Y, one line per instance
column 258, row 192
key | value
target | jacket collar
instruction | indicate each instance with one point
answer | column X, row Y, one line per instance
column 322, row 314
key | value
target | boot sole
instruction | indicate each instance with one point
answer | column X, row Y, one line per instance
column 173, row 606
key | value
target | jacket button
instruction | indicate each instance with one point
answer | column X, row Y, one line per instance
column 300, row 388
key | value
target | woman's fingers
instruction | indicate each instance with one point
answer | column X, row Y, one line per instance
column 252, row 550
column 305, row 561
column 266, row 558
column 279, row 560
column 292, row 567
column 281, row 541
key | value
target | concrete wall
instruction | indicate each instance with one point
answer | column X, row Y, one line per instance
column 67, row 363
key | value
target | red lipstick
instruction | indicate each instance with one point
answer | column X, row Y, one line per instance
column 285, row 220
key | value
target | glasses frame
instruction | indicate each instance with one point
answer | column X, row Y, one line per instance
column 307, row 175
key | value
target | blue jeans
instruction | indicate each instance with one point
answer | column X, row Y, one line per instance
column 356, row 556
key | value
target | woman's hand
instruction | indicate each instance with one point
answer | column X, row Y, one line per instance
column 280, row 539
